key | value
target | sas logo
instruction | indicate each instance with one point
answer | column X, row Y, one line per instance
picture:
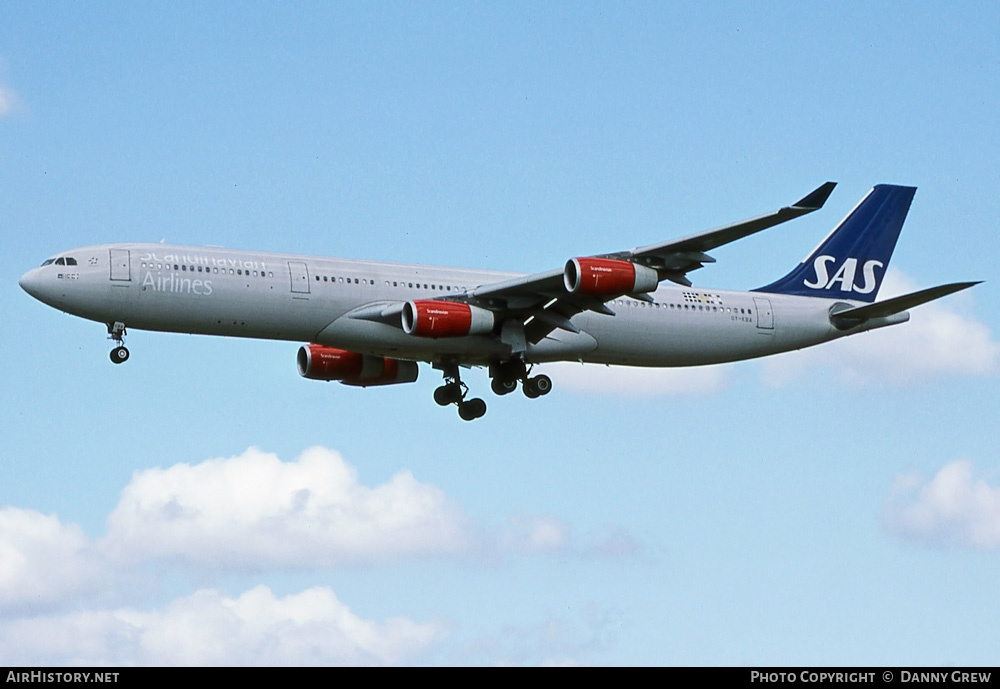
column 844, row 275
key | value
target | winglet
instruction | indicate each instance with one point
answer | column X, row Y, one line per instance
column 815, row 200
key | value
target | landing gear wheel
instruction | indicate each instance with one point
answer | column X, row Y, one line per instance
column 441, row 396
column 472, row 409
column 449, row 393
column 454, row 391
column 537, row 386
column 529, row 389
column 502, row 386
column 543, row 384
column 119, row 355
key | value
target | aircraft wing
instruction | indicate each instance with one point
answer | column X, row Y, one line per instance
column 676, row 257
column 545, row 301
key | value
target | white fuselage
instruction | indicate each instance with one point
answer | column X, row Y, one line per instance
column 216, row 291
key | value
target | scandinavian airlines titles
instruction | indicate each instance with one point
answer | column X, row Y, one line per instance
column 204, row 261
column 172, row 282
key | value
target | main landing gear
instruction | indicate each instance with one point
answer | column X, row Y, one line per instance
column 454, row 391
column 507, row 374
column 116, row 332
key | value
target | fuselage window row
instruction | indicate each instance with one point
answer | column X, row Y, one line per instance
column 684, row 307
column 395, row 283
column 205, row 269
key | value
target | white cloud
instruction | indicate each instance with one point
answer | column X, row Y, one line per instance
column 550, row 535
column 255, row 511
column 631, row 381
column 536, row 534
column 613, row 542
column 939, row 340
column 8, row 101
column 953, row 508
column 43, row 560
column 207, row 628
column 68, row 599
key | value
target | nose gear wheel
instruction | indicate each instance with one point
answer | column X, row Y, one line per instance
column 117, row 332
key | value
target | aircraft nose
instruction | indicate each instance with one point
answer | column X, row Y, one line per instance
column 31, row 282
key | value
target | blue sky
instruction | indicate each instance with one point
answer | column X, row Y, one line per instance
column 834, row 506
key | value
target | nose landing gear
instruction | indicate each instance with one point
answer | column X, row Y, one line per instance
column 117, row 332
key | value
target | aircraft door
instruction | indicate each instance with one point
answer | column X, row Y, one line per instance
column 299, row 273
column 120, row 265
column 765, row 317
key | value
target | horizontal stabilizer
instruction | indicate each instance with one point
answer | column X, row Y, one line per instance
column 883, row 309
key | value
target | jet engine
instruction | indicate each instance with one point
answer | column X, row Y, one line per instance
column 429, row 318
column 318, row 362
column 602, row 277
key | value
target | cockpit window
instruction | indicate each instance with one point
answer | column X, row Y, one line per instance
column 61, row 261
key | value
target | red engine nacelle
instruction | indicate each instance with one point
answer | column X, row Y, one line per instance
column 317, row 362
column 428, row 318
column 600, row 277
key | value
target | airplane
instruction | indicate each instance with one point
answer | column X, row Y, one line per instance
column 369, row 323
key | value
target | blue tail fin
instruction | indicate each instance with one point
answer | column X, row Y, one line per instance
column 851, row 262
